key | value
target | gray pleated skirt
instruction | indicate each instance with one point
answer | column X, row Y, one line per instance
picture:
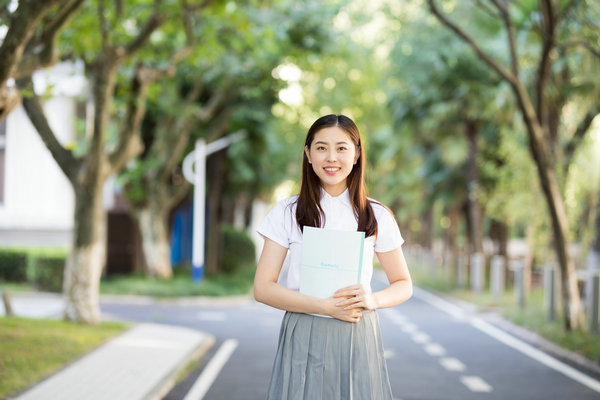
column 328, row 359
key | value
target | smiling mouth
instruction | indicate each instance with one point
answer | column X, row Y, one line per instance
column 331, row 170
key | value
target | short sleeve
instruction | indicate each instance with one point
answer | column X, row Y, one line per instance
column 276, row 225
column 388, row 232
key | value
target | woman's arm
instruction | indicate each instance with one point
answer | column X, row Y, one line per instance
column 268, row 291
column 399, row 290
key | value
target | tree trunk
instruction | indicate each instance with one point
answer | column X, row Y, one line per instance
column 593, row 261
column 473, row 207
column 427, row 228
column 86, row 260
column 155, row 242
column 450, row 236
column 572, row 307
column 500, row 236
column 538, row 134
column 215, row 172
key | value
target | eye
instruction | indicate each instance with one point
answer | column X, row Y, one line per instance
column 342, row 148
column 321, row 148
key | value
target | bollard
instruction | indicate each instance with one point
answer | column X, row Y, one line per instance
column 477, row 272
column 595, row 303
column 517, row 266
column 461, row 272
column 497, row 283
column 549, row 291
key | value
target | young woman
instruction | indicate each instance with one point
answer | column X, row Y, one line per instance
column 339, row 357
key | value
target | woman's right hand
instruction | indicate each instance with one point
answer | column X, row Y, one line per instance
column 331, row 309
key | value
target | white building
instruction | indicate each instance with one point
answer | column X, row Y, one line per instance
column 36, row 199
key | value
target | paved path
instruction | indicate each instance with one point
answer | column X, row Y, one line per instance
column 141, row 363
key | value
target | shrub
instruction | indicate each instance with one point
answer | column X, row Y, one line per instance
column 237, row 249
column 46, row 272
column 42, row 268
column 13, row 265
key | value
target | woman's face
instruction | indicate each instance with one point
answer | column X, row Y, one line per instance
column 332, row 155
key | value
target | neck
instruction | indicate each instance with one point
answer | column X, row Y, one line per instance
column 335, row 191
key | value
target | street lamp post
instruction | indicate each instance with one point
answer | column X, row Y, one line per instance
column 194, row 170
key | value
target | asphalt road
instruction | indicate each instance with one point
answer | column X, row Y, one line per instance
column 434, row 350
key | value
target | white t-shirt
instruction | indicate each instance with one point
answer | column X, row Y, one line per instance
column 280, row 226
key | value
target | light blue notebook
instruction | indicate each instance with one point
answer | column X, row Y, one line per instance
column 331, row 260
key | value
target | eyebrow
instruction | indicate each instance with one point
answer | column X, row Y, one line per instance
column 321, row 142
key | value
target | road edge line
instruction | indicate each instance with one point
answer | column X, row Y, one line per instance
column 211, row 371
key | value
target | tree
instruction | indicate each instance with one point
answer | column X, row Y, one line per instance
column 536, row 112
column 30, row 41
column 108, row 49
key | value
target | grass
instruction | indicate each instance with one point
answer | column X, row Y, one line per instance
column 237, row 283
column 532, row 316
column 31, row 349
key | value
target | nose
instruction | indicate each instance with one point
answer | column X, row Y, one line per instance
column 331, row 155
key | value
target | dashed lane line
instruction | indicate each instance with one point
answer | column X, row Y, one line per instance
column 475, row 384
column 435, row 349
column 211, row 371
column 452, row 364
column 509, row 340
column 420, row 337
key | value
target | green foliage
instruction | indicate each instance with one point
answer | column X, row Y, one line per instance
column 238, row 249
column 238, row 282
column 42, row 268
column 45, row 272
column 13, row 265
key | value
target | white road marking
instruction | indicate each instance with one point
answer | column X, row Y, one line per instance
column 510, row 340
column 211, row 371
column 389, row 353
column 452, row 364
column 435, row 349
column 475, row 384
column 420, row 337
column 211, row 316
column 409, row 328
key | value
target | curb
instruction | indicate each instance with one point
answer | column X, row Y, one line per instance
column 169, row 381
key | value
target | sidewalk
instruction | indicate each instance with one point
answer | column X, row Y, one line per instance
column 141, row 363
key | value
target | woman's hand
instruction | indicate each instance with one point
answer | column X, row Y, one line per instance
column 355, row 296
column 331, row 309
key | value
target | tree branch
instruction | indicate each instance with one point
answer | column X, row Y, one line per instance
column 510, row 31
column 21, row 28
column 142, row 38
column 104, row 24
column 40, row 52
column 586, row 45
column 129, row 138
column 178, row 193
column 545, row 63
column 184, row 130
column 485, row 57
column 65, row 159
column 579, row 134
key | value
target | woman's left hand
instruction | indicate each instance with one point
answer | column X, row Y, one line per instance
column 355, row 296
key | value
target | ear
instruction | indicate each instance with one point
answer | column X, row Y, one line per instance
column 307, row 152
column 357, row 156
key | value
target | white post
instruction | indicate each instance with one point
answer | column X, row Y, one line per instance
column 549, row 293
column 477, row 272
column 595, row 302
column 517, row 266
column 199, row 208
column 194, row 170
column 497, row 275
